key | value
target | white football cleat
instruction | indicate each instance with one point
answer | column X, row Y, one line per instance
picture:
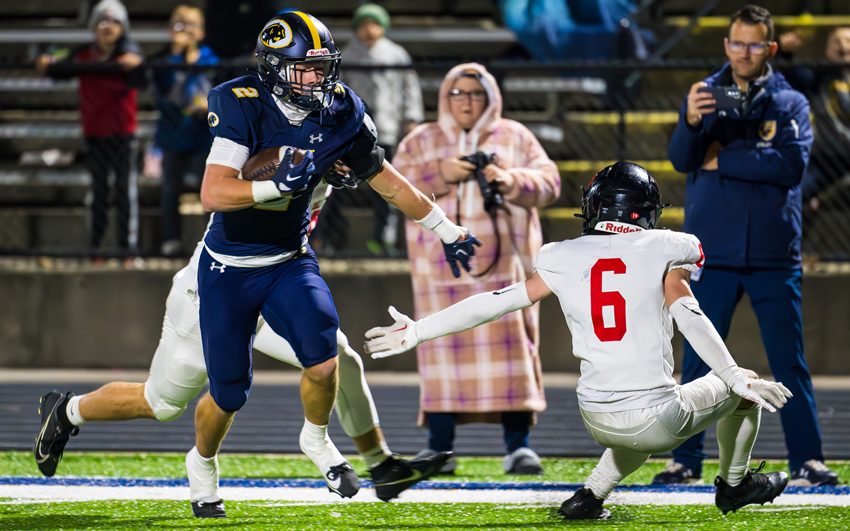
column 336, row 471
column 203, row 485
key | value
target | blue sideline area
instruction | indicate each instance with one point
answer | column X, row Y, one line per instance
column 425, row 485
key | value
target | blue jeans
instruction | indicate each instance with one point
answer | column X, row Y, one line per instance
column 441, row 430
column 777, row 303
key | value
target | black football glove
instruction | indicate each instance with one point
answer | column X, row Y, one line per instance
column 294, row 178
column 461, row 252
column 339, row 176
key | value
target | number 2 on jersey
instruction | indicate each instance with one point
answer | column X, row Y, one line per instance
column 599, row 299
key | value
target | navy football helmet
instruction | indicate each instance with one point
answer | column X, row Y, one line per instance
column 295, row 38
column 621, row 193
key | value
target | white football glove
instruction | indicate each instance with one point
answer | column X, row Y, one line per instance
column 385, row 341
column 769, row 395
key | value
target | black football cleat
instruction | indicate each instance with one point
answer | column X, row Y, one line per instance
column 756, row 488
column 208, row 509
column 343, row 480
column 584, row 506
column 55, row 431
column 394, row 476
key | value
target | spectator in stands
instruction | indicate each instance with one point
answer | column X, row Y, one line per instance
column 490, row 374
column 829, row 92
column 393, row 96
column 107, row 110
column 743, row 202
column 554, row 30
column 182, row 132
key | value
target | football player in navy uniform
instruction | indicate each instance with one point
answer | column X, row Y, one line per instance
column 256, row 257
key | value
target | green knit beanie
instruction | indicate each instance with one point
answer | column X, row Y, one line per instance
column 373, row 11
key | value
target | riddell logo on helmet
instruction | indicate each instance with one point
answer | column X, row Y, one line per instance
column 617, row 227
column 635, row 215
column 318, row 53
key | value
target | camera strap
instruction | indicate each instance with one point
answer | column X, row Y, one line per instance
column 492, row 214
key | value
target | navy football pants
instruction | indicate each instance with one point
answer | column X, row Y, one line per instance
column 777, row 303
column 295, row 302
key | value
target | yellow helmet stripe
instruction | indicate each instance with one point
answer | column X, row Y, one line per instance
column 317, row 41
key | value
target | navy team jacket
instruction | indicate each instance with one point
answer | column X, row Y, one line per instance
column 749, row 212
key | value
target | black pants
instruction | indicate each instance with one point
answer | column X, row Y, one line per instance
column 105, row 153
column 175, row 166
column 441, row 430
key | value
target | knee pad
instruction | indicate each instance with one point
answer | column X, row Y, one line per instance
column 163, row 410
column 231, row 396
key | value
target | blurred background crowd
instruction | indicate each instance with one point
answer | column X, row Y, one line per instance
column 102, row 105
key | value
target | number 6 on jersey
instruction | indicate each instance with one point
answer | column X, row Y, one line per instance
column 599, row 299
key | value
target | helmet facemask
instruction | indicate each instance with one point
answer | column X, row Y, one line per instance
column 281, row 75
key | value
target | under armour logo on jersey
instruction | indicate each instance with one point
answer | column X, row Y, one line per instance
column 220, row 268
column 314, row 138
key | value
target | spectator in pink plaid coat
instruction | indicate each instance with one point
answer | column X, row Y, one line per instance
column 492, row 373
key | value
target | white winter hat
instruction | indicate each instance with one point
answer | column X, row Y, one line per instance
column 112, row 9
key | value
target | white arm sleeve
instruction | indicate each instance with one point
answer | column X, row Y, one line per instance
column 474, row 311
column 707, row 343
column 226, row 152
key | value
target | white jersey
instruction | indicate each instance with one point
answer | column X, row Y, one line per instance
column 612, row 295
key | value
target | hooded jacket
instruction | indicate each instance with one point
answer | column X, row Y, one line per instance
column 494, row 367
column 748, row 212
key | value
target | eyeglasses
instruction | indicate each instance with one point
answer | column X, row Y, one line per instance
column 473, row 95
column 106, row 22
column 755, row 48
column 184, row 26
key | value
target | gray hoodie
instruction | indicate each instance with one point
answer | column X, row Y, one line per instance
column 393, row 96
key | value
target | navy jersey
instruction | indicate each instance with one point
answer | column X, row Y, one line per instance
column 242, row 110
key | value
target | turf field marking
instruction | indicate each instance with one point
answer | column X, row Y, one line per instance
column 512, row 486
column 60, row 493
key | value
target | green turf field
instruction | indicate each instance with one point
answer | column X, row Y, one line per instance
column 276, row 515
column 131, row 515
column 262, row 466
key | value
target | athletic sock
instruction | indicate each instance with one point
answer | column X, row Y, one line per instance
column 612, row 468
column 203, row 477
column 377, row 455
column 736, row 435
column 72, row 410
column 317, row 445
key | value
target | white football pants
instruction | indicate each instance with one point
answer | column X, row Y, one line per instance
column 661, row 428
column 178, row 372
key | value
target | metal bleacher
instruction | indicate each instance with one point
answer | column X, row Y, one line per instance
column 583, row 119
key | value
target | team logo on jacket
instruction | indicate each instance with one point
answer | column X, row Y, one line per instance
column 276, row 34
column 635, row 215
column 767, row 130
column 212, row 119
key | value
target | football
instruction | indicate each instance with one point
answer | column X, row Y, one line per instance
column 264, row 164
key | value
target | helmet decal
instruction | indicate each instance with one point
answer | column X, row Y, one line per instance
column 635, row 215
column 293, row 41
column 276, row 34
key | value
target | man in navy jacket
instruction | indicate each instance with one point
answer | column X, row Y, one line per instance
column 743, row 202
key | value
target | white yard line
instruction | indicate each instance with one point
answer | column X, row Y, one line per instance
column 268, row 496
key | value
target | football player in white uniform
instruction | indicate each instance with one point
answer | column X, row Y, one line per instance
column 177, row 375
column 619, row 285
